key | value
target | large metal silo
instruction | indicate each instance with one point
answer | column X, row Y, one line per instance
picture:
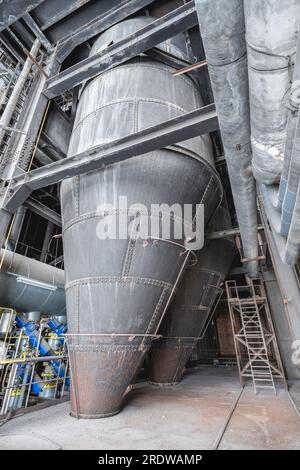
column 187, row 318
column 117, row 288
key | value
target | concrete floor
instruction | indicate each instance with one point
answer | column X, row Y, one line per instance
column 188, row 416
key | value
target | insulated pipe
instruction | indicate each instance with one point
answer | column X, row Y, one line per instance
column 28, row 285
column 292, row 185
column 292, row 248
column 223, row 32
column 17, row 225
column 11, row 104
column 190, row 312
column 271, row 29
column 293, row 159
column 47, row 239
column 293, row 112
column 117, row 286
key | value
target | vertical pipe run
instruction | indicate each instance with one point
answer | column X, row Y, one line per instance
column 293, row 159
column 271, row 30
column 293, row 112
column 222, row 28
column 47, row 239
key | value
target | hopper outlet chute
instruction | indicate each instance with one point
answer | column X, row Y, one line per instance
column 190, row 311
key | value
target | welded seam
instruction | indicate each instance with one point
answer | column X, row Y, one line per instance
column 206, row 190
column 132, row 241
column 102, row 214
column 76, row 190
column 156, row 311
column 102, row 347
column 118, row 279
column 128, row 257
column 157, row 66
column 132, row 101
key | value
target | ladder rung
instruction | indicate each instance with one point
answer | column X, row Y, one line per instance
column 262, row 379
column 265, row 386
column 262, row 375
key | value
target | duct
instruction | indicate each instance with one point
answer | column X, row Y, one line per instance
column 190, row 313
column 269, row 196
column 17, row 225
column 29, row 285
column 292, row 185
column 292, row 248
column 293, row 158
column 117, row 288
column 293, row 112
column 271, row 40
column 223, row 34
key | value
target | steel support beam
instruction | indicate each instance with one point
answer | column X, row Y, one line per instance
column 37, row 32
column 43, row 211
column 99, row 24
column 12, row 10
column 189, row 125
column 34, row 120
column 61, row 14
column 146, row 38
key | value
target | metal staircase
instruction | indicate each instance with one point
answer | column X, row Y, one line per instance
column 255, row 342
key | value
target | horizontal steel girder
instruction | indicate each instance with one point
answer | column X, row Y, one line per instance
column 12, row 10
column 123, row 10
column 43, row 211
column 184, row 127
column 146, row 38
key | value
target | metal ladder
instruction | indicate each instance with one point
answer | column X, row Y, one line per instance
column 254, row 332
column 261, row 372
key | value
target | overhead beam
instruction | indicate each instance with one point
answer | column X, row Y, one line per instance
column 43, row 211
column 61, row 14
column 142, row 40
column 37, row 32
column 99, row 24
column 181, row 128
column 12, row 10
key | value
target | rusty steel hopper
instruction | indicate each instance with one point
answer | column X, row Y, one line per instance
column 117, row 288
column 191, row 309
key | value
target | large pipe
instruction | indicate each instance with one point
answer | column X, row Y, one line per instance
column 290, row 196
column 222, row 28
column 293, row 112
column 28, row 285
column 118, row 288
column 292, row 248
column 271, row 30
column 189, row 315
column 292, row 159
column 17, row 225
column 47, row 239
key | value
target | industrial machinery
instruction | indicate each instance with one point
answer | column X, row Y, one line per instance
column 34, row 363
column 124, row 127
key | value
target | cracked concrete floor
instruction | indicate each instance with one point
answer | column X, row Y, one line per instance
column 187, row 416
